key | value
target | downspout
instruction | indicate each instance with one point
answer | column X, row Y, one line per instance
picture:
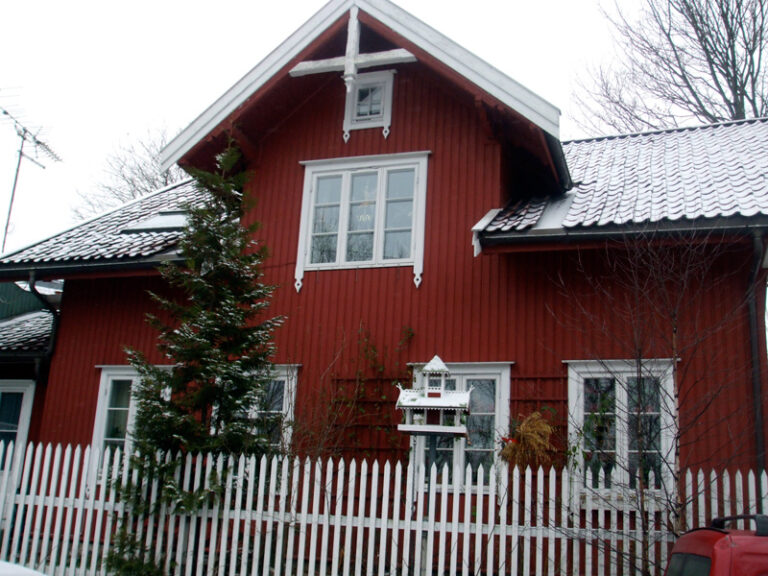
column 757, row 386
column 54, row 325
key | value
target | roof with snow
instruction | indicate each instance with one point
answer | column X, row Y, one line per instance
column 137, row 234
column 26, row 334
column 713, row 176
column 703, row 178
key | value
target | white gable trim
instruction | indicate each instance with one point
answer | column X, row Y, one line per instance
column 252, row 81
column 474, row 69
column 539, row 111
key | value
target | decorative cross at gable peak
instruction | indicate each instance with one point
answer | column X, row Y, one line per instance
column 351, row 62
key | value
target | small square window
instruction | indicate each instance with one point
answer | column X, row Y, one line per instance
column 369, row 102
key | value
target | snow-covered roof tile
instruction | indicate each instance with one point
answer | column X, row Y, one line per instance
column 26, row 333
column 111, row 237
column 686, row 174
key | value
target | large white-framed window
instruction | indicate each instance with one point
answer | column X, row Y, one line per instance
column 116, row 408
column 487, row 421
column 621, row 419
column 369, row 102
column 363, row 212
column 16, row 399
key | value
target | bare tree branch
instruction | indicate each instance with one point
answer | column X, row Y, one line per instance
column 681, row 61
column 133, row 170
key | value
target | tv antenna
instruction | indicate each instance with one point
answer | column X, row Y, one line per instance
column 26, row 137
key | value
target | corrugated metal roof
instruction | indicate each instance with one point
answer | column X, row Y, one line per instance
column 26, row 333
column 110, row 237
column 683, row 175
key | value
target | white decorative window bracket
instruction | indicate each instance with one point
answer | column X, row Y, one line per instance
column 416, row 277
column 385, row 132
column 299, row 280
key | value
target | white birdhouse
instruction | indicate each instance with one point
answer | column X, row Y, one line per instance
column 435, row 409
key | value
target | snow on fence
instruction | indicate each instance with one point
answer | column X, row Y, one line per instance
column 60, row 512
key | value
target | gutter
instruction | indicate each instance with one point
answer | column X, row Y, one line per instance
column 59, row 269
column 580, row 234
column 754, row 345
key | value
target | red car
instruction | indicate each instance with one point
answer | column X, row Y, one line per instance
column 720, row 551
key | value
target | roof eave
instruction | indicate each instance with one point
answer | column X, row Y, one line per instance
column 60, row 269
column 475, row 69
column 10, row 355
column 228, row 102
column 511, row 93
column 570, row 236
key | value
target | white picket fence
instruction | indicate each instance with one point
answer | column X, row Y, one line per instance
column 60, row 511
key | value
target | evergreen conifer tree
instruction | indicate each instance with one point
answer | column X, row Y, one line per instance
column 216, row 336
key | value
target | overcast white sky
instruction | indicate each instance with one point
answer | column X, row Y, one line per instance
column 95, row 75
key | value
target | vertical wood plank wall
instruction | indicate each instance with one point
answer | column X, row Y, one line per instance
column 507, row 307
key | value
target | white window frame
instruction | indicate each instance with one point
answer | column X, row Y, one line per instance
column 27, row 388
column 346, row 167
column 578, row 371
column 288, row 372
column 499, row 371
column 109, row 374
column 383, row 79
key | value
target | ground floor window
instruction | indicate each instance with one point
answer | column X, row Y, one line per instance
column 274, row 414
column 16, row 397
column 622, row 421
column 487, row 421
column 116, row 408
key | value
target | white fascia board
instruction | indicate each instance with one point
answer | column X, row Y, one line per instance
column 251, row 82
column 474, row 69
column 480, row 227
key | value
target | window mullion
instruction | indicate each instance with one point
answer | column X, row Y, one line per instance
column 622, row 430
column 381, row 208
column 345, row 205
column 130, row 425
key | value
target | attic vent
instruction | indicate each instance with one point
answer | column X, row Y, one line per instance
column 169, row 221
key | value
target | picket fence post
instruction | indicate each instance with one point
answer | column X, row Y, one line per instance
column 60, row 510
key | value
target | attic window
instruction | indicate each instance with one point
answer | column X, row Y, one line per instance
column 369, row 102
column 167, row 221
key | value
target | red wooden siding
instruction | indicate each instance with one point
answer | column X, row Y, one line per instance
column 100, row 319
column 349, row 325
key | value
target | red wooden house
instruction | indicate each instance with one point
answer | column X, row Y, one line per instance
column 416, row 202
